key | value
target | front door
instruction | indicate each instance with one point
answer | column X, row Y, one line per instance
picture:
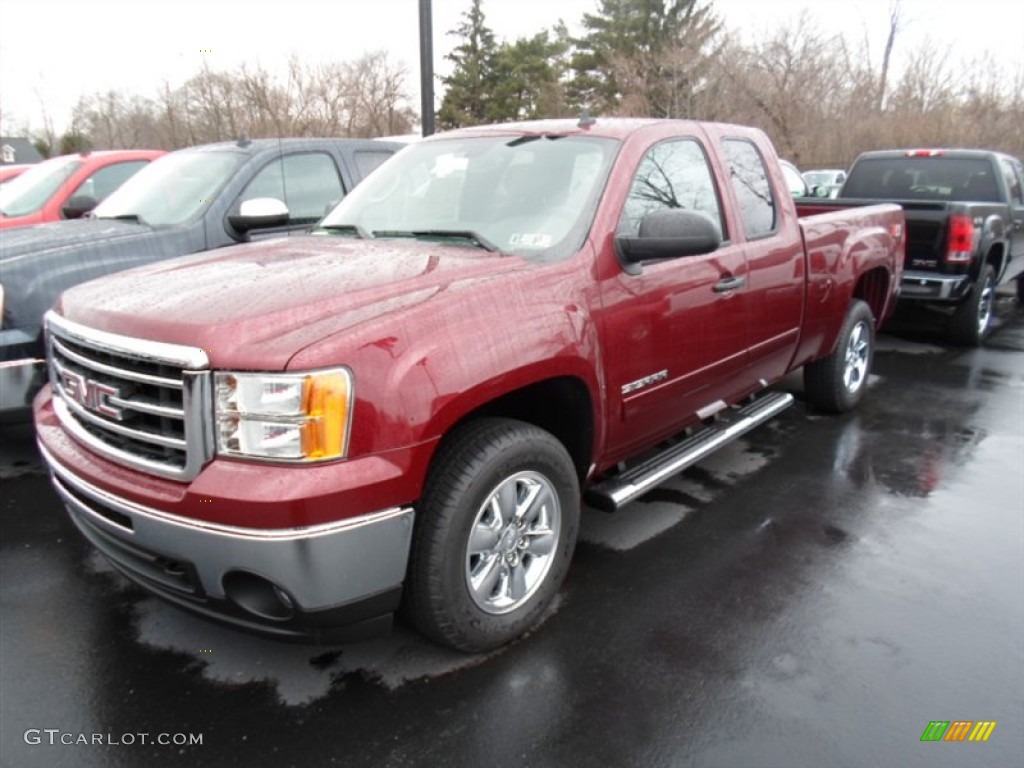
column 676, row 332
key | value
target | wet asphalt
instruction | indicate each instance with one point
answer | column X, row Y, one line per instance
column 813, row 595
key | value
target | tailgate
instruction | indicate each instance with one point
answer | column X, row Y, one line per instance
column 925, row 229
column 927, row 225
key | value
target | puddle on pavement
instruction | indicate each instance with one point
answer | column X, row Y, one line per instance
column 299, row 674
column 674, row 500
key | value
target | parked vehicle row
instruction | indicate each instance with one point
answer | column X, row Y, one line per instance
column 405, row 408
column 188, row 201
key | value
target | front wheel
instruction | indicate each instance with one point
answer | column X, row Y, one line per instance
column 837, row 383
column 495, row 532
column 970, row 322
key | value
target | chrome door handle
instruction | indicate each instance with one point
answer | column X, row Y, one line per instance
column 729, row 284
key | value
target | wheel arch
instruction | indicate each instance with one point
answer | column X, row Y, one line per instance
column 561, row 405
column 996, row 256
column 874, row 288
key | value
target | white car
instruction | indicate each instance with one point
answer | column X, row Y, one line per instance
column 825, row 183
column 794, row 181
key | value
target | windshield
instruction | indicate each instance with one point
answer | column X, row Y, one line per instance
column 171, row 189
column 29, row 192
column 530, row 195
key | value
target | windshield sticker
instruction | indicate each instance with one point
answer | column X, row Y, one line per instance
column 530, row 240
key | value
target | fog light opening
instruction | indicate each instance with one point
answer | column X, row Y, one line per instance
column 258, row 596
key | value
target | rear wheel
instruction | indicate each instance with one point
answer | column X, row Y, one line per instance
column 495, row 532
column 971, row 320
column 837, row 383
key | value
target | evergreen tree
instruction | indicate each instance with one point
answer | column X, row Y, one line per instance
column 527, row 78
column 642, row 56
column 471, row 83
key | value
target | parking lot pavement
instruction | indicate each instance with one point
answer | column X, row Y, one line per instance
column 815, row 595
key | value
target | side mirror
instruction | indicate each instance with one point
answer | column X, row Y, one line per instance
column 76, row 207
column 259, row 213
column 668, row 234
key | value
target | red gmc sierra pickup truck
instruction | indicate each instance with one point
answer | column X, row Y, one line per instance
column 407, row 407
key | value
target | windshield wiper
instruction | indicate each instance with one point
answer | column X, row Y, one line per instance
column 346, row 229
column 458, row 234
column 133, row 217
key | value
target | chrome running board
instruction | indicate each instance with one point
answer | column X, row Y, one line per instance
column 613, row 492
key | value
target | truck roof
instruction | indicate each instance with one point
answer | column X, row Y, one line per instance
column 932, row 152
column 605, row 127
column 254, row 146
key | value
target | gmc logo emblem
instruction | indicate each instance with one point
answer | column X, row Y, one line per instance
column 90, row 394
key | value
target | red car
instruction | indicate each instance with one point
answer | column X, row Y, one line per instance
column 8, row 172
column 69, row 186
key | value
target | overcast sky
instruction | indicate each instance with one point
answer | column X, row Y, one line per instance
column 53, row 51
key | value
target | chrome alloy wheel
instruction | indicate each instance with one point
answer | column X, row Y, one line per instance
column 512, row 542
column 858, row 350
column 985, row 306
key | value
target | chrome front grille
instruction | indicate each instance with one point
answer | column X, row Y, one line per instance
column 143, row 404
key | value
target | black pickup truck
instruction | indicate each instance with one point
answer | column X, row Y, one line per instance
column 188, row 201
column 965, row 227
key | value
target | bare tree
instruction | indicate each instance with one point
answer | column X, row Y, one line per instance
column 890, row 41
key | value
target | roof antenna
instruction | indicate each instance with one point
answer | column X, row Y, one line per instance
column 586, row 120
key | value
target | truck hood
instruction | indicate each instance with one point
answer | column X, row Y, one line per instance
column 40, row 261
column 256, row 305
column 21, row 242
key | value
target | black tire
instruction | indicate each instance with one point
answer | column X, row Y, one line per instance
column 837, row 383
column 1020, row 289
column 451, row 594
column 972, row 320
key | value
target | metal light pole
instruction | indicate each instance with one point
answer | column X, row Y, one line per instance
column 426, row 69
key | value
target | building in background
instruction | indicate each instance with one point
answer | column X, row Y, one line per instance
column 17, row 151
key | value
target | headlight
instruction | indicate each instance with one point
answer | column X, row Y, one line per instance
column 287, row 416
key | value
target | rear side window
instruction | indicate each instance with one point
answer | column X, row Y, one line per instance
column 367, row 160
column 750, row 183
column 673, row 174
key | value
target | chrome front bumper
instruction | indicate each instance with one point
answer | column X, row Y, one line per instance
column 298, row 583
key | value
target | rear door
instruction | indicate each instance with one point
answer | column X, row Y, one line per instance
column 775, row 261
